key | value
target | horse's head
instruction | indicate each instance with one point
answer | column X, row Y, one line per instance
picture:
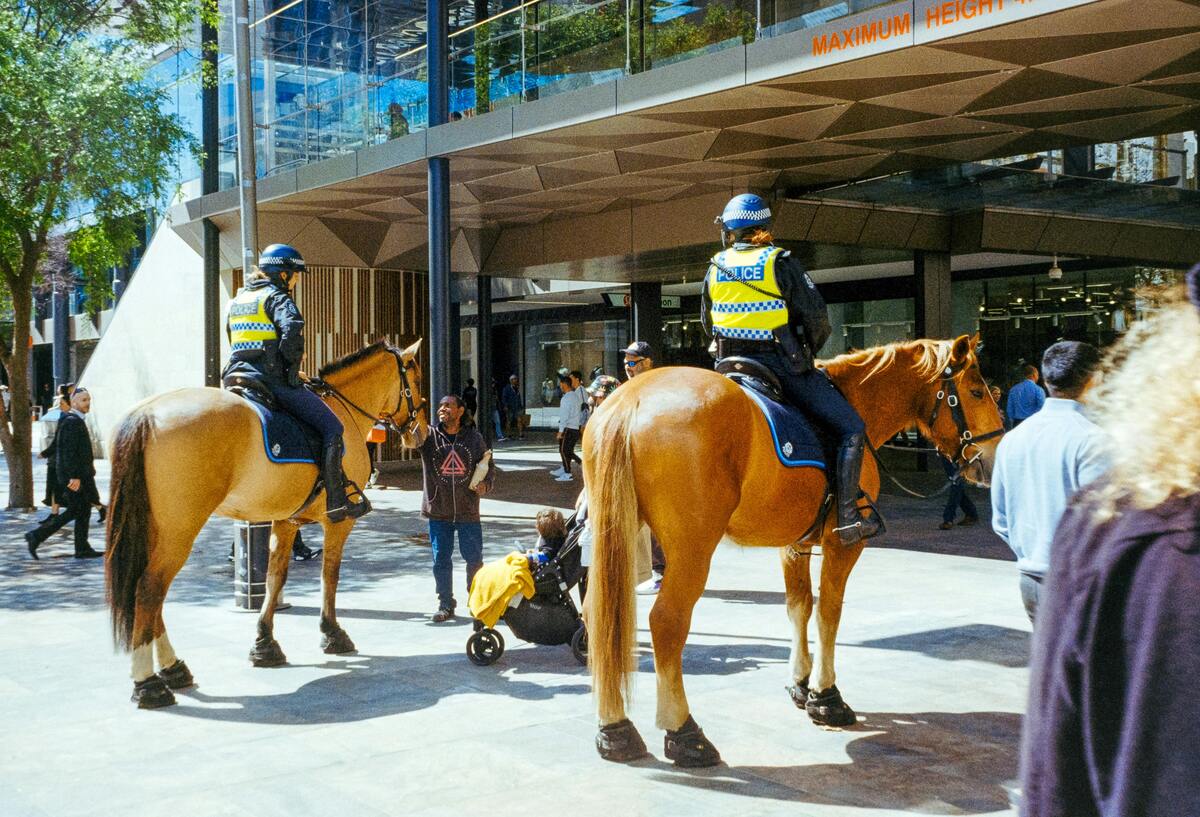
column 411, row 414
column 963, row 418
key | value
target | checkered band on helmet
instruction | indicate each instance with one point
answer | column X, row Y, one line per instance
column 746, row 210
column 281, row 258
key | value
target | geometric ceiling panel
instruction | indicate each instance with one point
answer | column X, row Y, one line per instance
column 864, row 116
column 1031, row 84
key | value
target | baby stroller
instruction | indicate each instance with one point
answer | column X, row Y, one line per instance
column 550, row 617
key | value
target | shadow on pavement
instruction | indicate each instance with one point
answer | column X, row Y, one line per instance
column 972, row 642
column 929, row 761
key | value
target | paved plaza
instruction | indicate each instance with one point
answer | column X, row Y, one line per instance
column 932, row 654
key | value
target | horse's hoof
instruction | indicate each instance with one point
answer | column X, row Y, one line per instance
column 620, row 742
column 152, row 693
column 337, row 643
column 267, row 654
column 799, row 694
column 688, row 747
column 177, row 676
column 826, row 708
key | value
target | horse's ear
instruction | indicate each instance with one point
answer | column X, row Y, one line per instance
column 961, row 352
column 411, row 351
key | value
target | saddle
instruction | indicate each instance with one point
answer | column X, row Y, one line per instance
column 285, row 438
column 798, row 444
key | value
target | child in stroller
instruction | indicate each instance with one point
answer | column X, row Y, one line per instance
column 550, row 616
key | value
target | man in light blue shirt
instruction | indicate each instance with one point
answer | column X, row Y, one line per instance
column 1040, row 465
column 1026, row 398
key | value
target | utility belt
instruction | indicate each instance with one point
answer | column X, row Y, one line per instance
column 785, row 342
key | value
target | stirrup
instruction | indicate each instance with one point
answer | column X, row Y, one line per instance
column 357, row 504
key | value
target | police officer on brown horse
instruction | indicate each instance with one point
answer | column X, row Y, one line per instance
column 266, row 336
column 759, row 303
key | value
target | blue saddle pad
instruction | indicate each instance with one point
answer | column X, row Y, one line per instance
column 796, row 444
column 286, row 439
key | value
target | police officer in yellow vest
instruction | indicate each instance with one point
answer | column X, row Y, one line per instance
column 758, row 302
column 266, row 337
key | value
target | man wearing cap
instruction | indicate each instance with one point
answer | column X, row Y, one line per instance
column 758, row 302
column 637, row 358
column 76, row 474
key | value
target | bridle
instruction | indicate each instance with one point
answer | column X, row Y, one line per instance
column 405, row 400
column 967, row 441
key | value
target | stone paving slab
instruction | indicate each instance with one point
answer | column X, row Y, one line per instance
column 932, row 655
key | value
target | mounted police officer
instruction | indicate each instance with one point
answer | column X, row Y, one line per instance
column 266, row 336
column 759, row 303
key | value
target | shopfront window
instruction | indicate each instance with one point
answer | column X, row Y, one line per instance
column 863, row 324
column 581, row 346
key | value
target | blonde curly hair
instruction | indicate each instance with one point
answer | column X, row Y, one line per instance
column 1148, row 402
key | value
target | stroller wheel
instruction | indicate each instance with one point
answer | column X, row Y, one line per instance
column 579, row 645
column 485, row 647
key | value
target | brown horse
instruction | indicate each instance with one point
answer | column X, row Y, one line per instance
column 685, row 452
column 183, row 456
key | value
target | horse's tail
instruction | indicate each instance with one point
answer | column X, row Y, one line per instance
column 128, row 522
column 613, row 515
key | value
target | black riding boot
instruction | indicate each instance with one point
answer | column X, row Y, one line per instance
column 338, row 505
column 852, row 526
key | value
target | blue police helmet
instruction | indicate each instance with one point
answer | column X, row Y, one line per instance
column 746, row 210
column 281, row 258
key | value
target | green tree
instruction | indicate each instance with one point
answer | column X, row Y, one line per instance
column 81, row 130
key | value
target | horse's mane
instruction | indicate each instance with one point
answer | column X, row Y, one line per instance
column 343, row 363
column 930, row 358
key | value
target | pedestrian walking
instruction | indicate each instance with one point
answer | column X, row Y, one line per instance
column 1111, row 727
column 76, row 475
column 956, row 498
column 53, row 497
column 514, row 408
column 470, row 396
column 449, row 458
column 1026, row 398
column 570, row 412
column 1043, row 462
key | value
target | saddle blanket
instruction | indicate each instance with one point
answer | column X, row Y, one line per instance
column 796, row 444
column 286, row 439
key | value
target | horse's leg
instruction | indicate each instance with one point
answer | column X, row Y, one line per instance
column 670, row 621
column 798, row 582
column 334, row 640
column 168, row 552
column 825, row 705
column 267, row 652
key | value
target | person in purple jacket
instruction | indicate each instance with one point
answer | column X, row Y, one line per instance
column 1112, row 724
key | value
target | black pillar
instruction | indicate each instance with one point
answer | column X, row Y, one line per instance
column 62, row 336
column 437, row 28
column 455, row 323
column 210, row 183
column 1078, row 161
column 483, row 355
column 645, row 307
column 933, row 307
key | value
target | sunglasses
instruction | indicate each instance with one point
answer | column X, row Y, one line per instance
column 629, row 364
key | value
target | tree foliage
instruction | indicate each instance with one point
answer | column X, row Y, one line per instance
column 84, row 145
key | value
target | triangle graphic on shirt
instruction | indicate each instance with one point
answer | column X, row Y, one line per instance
column 453, row 465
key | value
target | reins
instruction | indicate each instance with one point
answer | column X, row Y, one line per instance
column 406, row 395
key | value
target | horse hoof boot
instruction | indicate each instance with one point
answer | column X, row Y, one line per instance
column 620, row 742
column 152, row 693
column 267, row 654
column 799, row 694
column 177, row 676
column 688, row 747
column 337, row 643
column 826, row 708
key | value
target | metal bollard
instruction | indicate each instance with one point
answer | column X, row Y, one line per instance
column 251, row 552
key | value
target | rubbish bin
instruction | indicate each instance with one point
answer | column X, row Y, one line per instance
column 251, row 552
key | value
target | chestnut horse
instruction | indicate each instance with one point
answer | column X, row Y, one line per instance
column 687, row 453
column 180, row 457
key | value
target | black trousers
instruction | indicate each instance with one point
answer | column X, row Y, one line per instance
column 566, row 448
column 79, row 511
column 814, row 394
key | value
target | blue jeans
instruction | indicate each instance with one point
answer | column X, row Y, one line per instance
column 302, row 403
column 470, row 545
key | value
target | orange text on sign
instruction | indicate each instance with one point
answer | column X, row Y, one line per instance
column 952, row 11
column 862, row 35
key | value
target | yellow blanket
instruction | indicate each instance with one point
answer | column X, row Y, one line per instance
column 496, row 583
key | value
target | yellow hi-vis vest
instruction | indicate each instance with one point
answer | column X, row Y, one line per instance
column 739, row 311
column 250, row 328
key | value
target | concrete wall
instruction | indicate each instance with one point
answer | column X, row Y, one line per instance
column 155, row 340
